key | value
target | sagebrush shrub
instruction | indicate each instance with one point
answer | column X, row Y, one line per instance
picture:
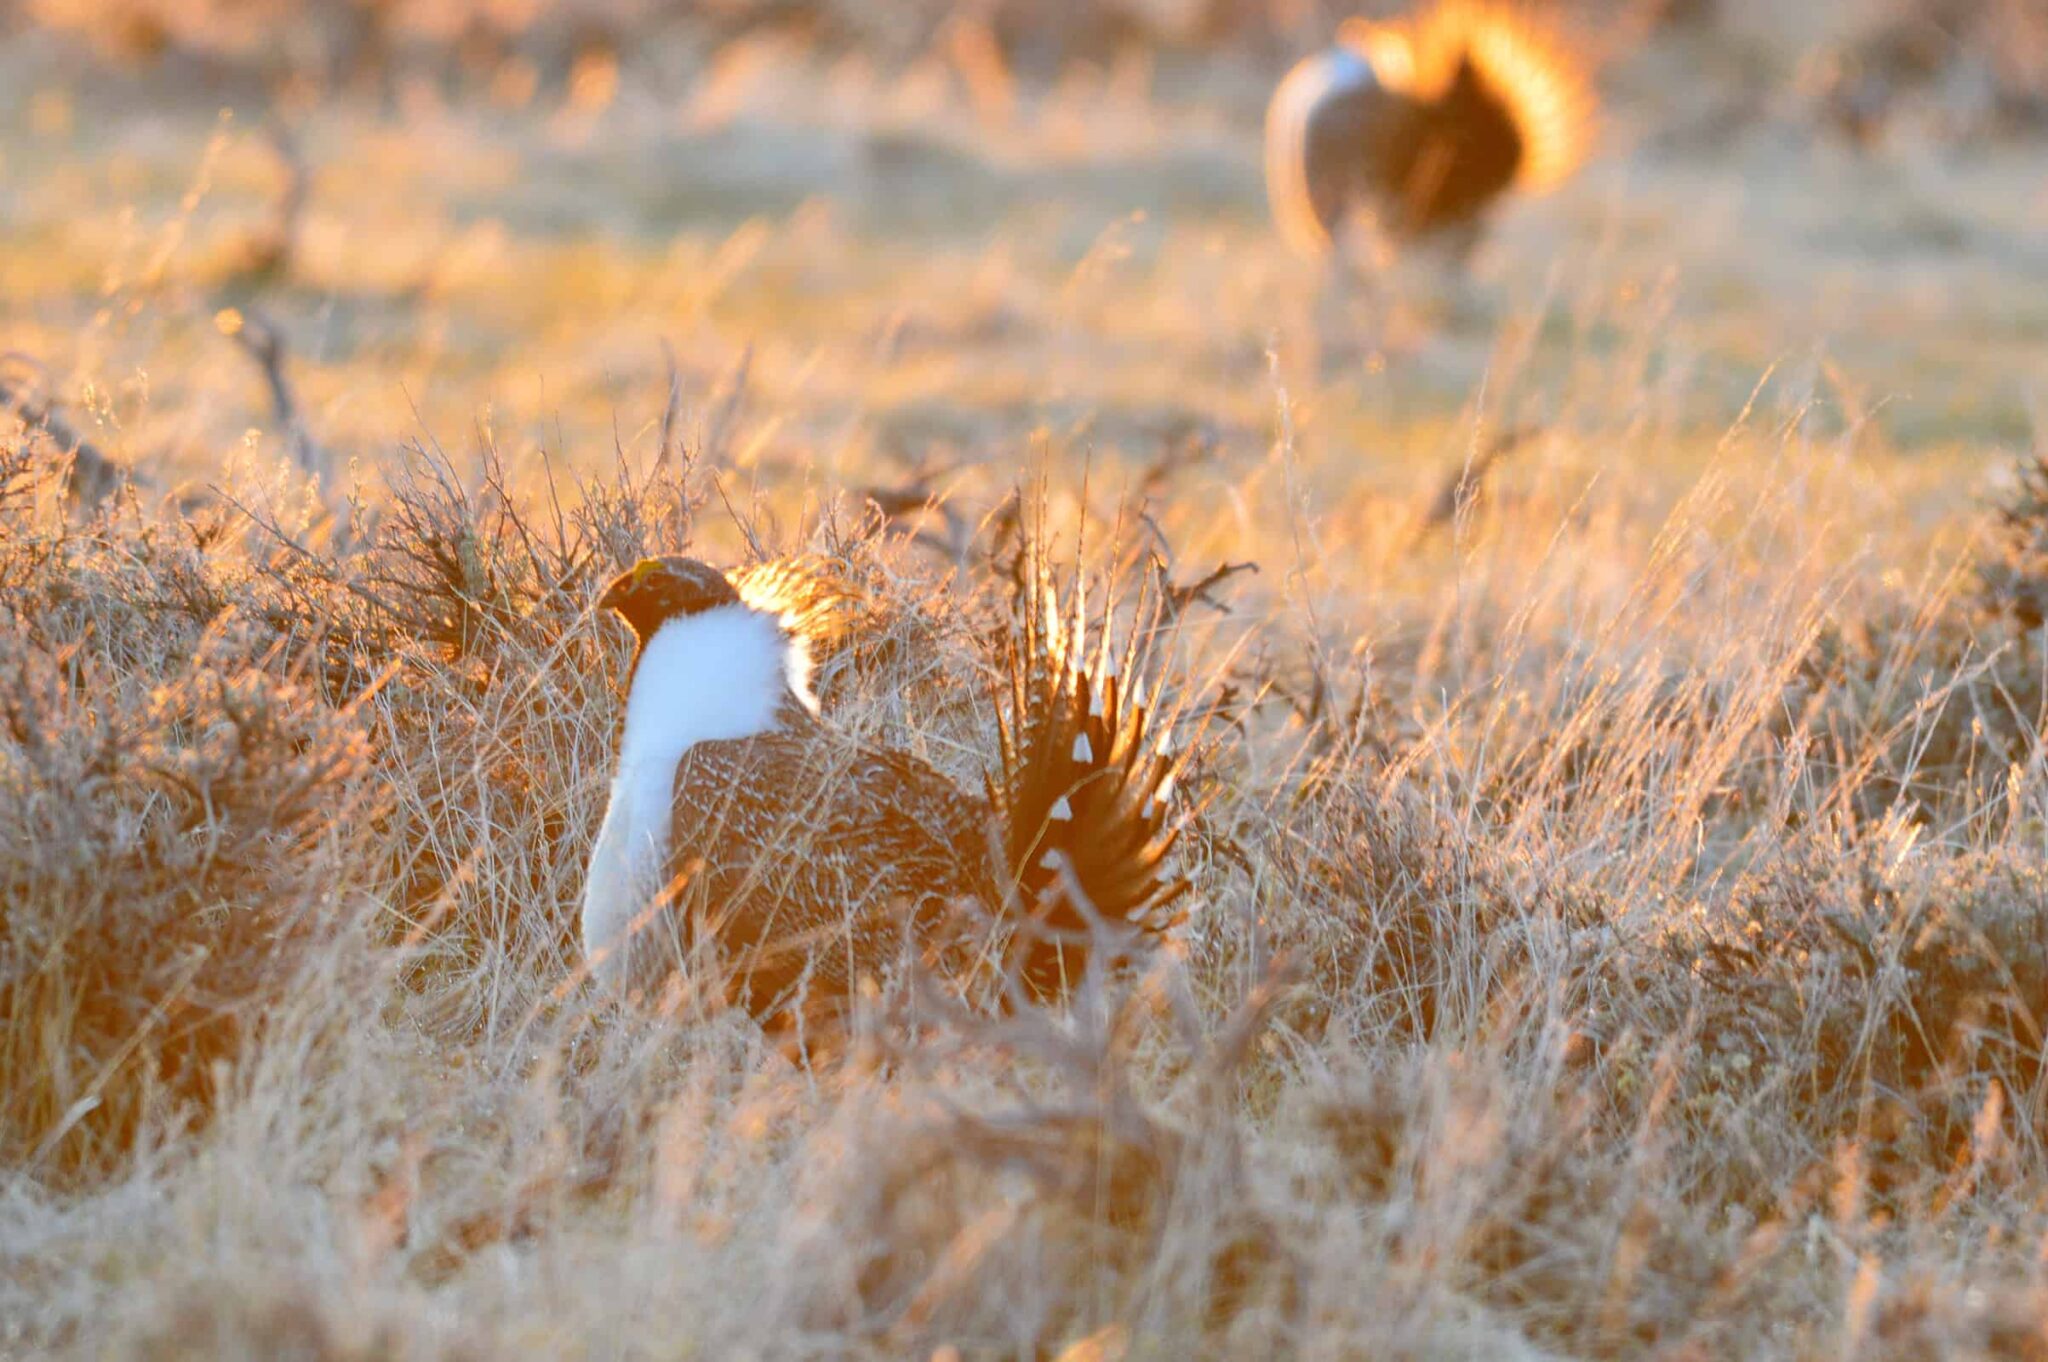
column 169, row 844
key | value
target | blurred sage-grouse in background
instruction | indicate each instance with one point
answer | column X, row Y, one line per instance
column 749, row 837
column 1414, row 128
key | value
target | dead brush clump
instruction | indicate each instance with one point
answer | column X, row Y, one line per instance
column 1893, row 997
column 1407, row 917
column 1938, row 698
column 221, row 1323
column 1082, row 1200
column 1902, row 704
column 175, row 802
column 471, row 606
column 1499, row 1179
column 2006, row 610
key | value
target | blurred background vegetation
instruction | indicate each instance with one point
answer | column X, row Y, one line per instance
column 1656, row 822
column 936, row 230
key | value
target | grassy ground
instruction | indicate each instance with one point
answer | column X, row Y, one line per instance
column 1617, row 926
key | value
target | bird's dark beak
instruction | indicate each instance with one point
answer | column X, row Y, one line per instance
column 615, row 595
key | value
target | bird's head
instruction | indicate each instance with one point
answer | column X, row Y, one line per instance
column 674, row 590
column 656, row 590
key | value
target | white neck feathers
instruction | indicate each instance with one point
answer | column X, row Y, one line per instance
column 719, row 674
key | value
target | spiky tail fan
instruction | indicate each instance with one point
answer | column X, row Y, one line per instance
column 1084, row 795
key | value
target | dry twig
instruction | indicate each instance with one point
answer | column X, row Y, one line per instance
column 263, row 341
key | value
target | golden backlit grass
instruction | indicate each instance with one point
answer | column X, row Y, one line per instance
column 1617, row 916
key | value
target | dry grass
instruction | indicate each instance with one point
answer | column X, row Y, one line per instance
column 1617, row 917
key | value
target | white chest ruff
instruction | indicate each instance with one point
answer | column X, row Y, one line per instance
column 708, row 677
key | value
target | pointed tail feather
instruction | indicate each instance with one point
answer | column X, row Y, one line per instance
column 1084, row 796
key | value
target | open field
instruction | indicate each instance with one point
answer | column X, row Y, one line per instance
column 1620, row 910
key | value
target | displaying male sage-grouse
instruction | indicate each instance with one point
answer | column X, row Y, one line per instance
column 1415, row 128
column 746, row 834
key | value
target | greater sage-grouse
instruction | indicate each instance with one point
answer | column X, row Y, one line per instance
column 748, row 836
column 1414, row 128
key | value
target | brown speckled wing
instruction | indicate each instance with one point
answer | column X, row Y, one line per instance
column 809, row 862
